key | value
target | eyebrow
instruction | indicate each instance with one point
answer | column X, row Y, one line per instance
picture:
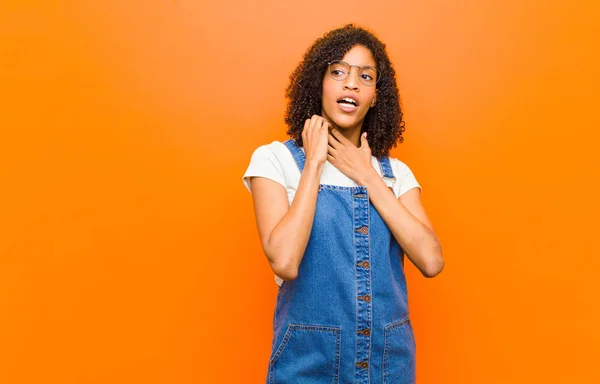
column 356, row 65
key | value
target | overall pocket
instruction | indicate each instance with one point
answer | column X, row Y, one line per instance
column 399, row 353
column 307, row 354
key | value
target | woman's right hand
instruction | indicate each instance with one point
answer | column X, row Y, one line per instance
column 315, row 138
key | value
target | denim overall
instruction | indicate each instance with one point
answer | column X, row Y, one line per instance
column 345, row 318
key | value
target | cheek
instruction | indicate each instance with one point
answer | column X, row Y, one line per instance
column 369, row 96
column 329, row 91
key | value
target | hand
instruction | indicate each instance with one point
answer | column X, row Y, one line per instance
column 352, row 161
column 314, row 138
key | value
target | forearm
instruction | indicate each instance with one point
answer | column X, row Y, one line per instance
column 418, row 241
column 288, row 240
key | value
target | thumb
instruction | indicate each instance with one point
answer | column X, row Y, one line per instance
column 364, row 143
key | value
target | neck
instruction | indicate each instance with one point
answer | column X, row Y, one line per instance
column 352, row 134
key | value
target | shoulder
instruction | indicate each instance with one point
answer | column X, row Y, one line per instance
column 278, row 153
column 279, row 149
column 273, row 161
column 398, row 166
column 405, row 178
column 275, row 147
column 274, row 151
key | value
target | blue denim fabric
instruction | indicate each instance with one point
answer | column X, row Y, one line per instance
column 345, row 318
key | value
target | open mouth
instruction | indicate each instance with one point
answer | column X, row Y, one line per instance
column 348, row 102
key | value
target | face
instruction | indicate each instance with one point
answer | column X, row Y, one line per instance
column 341, row 114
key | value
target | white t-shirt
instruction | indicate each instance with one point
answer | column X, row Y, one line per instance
column 275, row 162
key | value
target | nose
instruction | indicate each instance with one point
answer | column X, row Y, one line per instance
column 351, row 81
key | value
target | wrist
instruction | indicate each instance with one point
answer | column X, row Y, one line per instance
column 368, row 177
column 314, row 165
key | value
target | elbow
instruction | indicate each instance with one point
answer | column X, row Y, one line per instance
column 285, row 272
column 283, row 266
column 434, row 269
column 435, row 264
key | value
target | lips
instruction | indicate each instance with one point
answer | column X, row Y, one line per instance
column 347, row 107
column 347, row 103
column 348, row 99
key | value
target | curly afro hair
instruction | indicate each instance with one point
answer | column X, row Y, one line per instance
column 383, row 122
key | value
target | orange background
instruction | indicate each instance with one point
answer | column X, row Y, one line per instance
column 128, row 246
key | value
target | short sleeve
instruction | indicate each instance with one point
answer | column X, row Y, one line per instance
column 405, row 179
column 264, row 163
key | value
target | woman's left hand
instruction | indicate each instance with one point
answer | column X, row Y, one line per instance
column 354, row 162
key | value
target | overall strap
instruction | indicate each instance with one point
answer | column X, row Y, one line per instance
column 386, row 168
column 300, row 158
column 297, row 153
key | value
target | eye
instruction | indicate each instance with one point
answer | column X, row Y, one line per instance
column 368, row 75
column 337, row 72
column 338, row 69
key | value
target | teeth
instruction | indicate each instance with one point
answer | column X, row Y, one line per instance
column 348, row 100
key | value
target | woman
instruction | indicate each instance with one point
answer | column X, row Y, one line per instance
column 336, row 215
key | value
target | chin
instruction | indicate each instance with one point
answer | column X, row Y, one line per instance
column 342, row 120
column 346, row 122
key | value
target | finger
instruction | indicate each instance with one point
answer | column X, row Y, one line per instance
column 323, row 131
column 304, row 133
column 326, row 129
column 330, row 158
column 333, row 142
column 339, row 137
column 331, row 151
column 315, row 124
column 306, row 124
column 324, row 124
column 313, row 131
column 364, row 143
column 308, row 127
column 313, row 120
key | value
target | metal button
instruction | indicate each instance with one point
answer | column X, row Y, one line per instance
column 365, row 264
column 363, row 364
column 359, row 195
column 367, row 298
column 364, row 230
column 365, row 332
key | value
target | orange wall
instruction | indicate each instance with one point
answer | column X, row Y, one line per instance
column 128, row 248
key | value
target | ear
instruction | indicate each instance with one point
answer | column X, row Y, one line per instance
column 374, row 100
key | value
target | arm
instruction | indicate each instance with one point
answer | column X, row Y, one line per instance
column 408, row 223
column 405, row 216
column 283, row 231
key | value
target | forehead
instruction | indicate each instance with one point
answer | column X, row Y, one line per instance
column 359, row 55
